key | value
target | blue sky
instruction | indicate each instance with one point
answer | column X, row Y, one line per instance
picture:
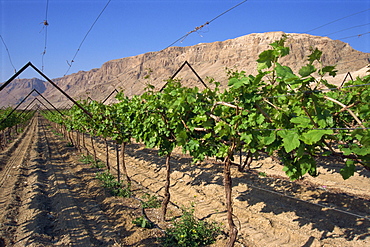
column 128, row 27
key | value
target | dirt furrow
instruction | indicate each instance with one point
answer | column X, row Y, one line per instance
column 49, row 199
column 79, row 221
column 35, row 218
column 14, row 156
column 13, row 182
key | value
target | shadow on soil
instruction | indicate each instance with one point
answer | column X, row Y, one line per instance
column 52, row 220
column 325, row 219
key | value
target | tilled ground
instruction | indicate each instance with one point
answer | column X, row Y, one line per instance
column 48, row 198
column 269, row 211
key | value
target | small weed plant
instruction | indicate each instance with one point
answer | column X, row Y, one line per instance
column 86, row 159
column 143, row 222
column 69, row 145
column 190, row 232
column 98, row 164
column 89, row 159
column 150, row 201
column 262, row 174
column 56, row 133
column 116, row 188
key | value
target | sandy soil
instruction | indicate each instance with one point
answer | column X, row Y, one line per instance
column 49, row 198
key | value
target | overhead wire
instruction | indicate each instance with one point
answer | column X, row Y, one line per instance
column 46, row 24
column 347, row 29
column 337, row 20
column 7, row 50
column 196, row 29
column 83, row 40
column 10, row 60
column 354, row 36
column 205, row 24
column 359, row 35
column 347, row 37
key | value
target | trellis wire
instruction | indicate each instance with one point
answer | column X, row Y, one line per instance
column 313, row 203
column 347, row 29
column 205, row 24
column 46, row 24
column 83, row 40
column 7, row 50
column 317, row 91
column 353, row 36
column 337, row 20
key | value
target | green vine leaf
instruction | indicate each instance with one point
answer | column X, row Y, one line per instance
column 285, row 73
column 314, row 136
column 315, row 55
column 348, row 170
column 301, row 122
column 328, row 69
column 290, row 140
column 307, row 164
column 307, row 70
column 265, row 59
column 236, row 83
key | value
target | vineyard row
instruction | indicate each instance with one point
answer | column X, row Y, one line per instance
column 298, row 125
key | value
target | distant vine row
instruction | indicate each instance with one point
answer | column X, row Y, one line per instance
column 11, row 123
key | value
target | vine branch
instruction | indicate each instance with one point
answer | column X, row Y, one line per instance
column 347, row 109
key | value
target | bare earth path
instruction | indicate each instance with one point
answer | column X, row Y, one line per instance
column 48, row 198
column 44, row 201
column 12, row 181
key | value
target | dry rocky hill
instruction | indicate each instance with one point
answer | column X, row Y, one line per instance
column 207, row 59
column 18, row 89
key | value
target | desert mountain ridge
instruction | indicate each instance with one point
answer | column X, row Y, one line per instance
column 207, row 59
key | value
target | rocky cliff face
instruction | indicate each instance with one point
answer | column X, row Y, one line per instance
column 208, row 60
column 18, row 89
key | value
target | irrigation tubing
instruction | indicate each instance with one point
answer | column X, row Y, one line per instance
column 313, row 203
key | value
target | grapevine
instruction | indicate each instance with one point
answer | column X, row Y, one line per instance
column 12, row 122
column 295, row 117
